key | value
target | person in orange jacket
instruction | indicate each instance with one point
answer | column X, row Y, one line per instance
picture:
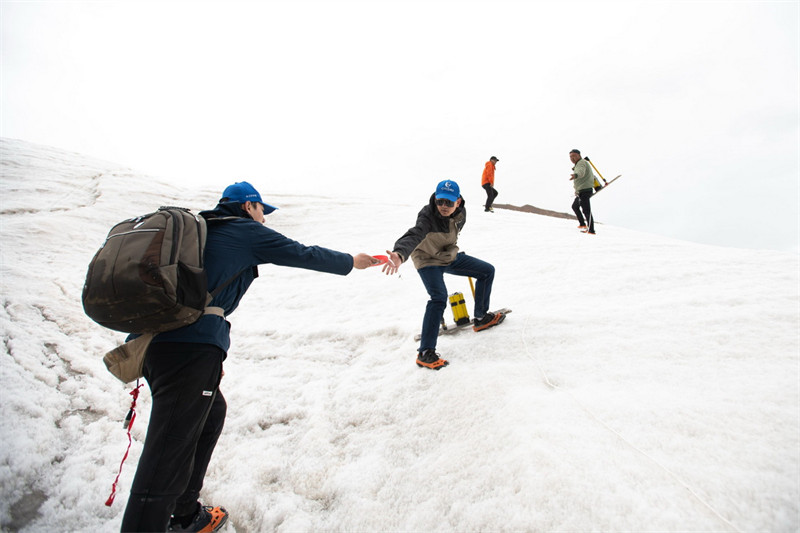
column 487, row 182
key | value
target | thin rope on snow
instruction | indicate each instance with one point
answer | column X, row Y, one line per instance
column 588, row 411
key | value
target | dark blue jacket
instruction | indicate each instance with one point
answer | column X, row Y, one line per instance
column 240, row 245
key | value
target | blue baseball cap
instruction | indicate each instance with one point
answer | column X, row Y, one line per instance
column 242, row 192
column 448, row 189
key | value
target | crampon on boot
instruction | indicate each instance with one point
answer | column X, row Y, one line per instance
column 430, row 359
column 206, row 520
column 491, row 319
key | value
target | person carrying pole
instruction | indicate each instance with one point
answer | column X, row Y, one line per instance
column 583, row 182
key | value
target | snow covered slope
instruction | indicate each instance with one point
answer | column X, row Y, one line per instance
column 641, row 384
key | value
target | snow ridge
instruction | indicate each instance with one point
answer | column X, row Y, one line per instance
column 688, row 353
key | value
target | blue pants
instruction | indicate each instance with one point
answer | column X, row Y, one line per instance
column 433, row 279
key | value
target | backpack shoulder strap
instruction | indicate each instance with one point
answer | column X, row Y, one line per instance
column 227, row 282
column 213, row 294
column 214, row 310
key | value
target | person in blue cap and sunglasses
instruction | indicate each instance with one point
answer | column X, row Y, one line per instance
column 183, row 367
column 432, row 246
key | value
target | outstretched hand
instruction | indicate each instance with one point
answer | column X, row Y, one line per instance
column 362, row 261
column 393, row 264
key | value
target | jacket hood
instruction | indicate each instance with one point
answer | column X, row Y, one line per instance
column 227, row 209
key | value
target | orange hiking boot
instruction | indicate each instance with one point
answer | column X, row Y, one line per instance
column 206, row 520
column 430, row 359
column 491, row 319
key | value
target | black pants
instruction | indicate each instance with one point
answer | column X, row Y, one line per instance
column 186, row 420
column 582, row 201
column 491, row 194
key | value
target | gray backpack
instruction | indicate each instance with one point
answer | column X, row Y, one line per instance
column 148, row 276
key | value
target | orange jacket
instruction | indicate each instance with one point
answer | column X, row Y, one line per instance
column 488, row 174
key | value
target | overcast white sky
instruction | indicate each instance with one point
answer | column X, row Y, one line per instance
column 695, row 103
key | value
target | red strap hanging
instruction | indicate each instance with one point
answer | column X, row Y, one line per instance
column 128, row 424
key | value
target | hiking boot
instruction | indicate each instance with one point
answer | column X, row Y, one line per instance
column 488, row 210
column 582, row 227
column 430, row 359
column 206, row 520
column 491, row 319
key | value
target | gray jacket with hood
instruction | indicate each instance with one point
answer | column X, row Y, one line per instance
column 584, row 179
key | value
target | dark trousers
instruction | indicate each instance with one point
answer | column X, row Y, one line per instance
column 491, row 194
column 433, row 279
column 582, row 202
column 186, row 419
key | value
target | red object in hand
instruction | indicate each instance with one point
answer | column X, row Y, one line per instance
column 381, row 259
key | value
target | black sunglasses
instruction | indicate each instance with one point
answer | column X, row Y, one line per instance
column 445, row 202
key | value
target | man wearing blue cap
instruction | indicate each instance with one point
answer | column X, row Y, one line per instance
column 432, row 245
column 184, row 366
